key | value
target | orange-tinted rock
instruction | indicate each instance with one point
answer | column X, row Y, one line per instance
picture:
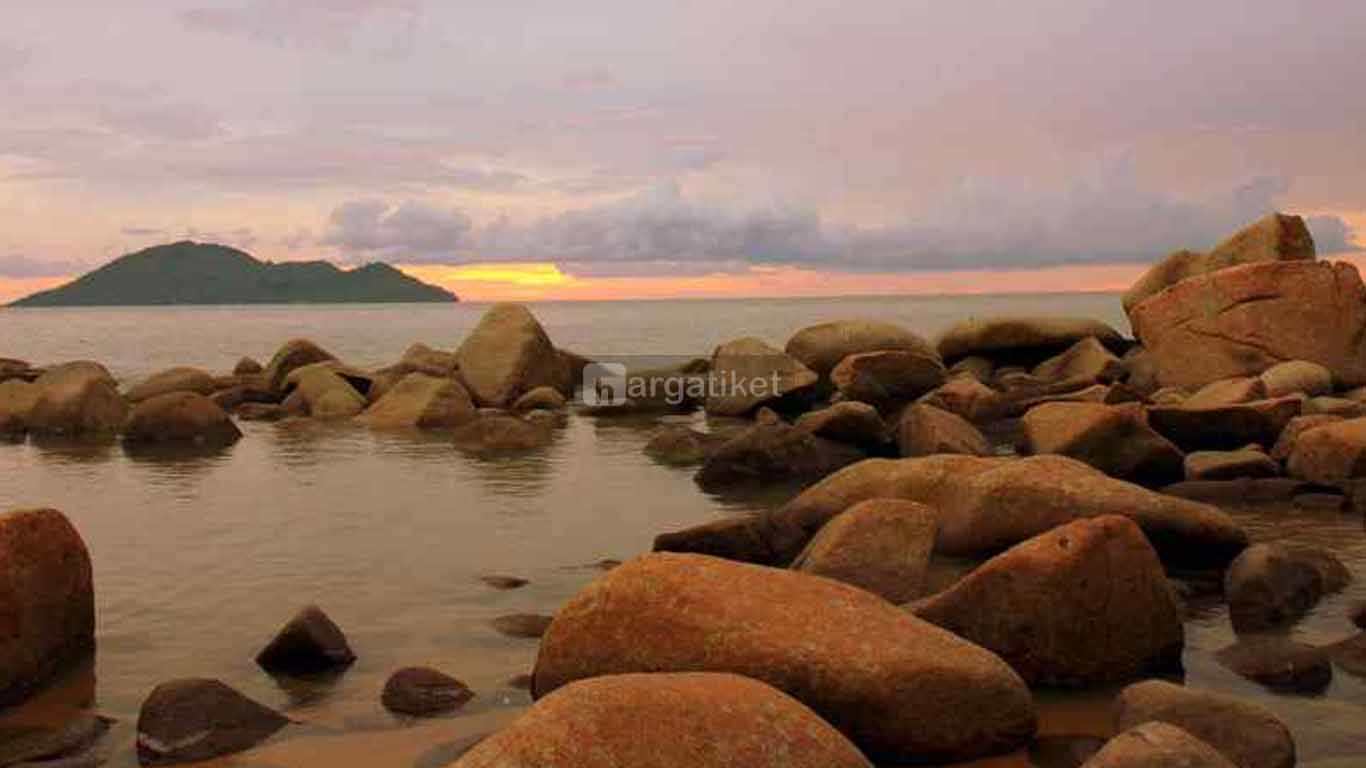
column 1084, row 604
column 1330, row 453
column 697, row 720
column 1244, row 389
column 507, row 355
column 1157, row 745
column 1227, row 427
column 77, row 399
column 1025, row 337
column 925, row 431
column 881, row 545
column 822, row 347
column 1243, row 320
column 1248, row 735
column 849, row 422
column 172, row 380
column 888, row 377
column 1270, row 586
column 747, row 374
column 1116, row 439
column 1086, row 361
column 419, row 401
column 967, row 397
column 180, row 417
column 293, row 354
column 1297, row 376
column 1229, row 465
column 862, row 664
column 1285, row 444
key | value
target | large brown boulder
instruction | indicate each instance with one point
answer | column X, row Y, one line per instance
column 77, row 399
column 1157, row 745
column 180, row 417
column 16, row 400
column 1275, row 237
column 698, row 720
column 888, row 377
column 881, row 545
column 1083, row 604
column 1243, row 320
column 1230, row 465
column 770, row 453
column 1244, row 389
column 747, row 374
column 47, row 601
column 1246, row 734
column 822, row 347
column 1270, row 586
column 1285, row 444
column 1116, row 439
column 1225, row 427
column 849, row 422
column 295, row 353
column 968, row 397
column 1330, row 453
column 420, row 401
column 1087, row 361
column 507, row 355
column 325, row 393
column 989, row 504
column 861, row 663
column 925, row 430
column 1025, row 339
column 196, row 719
column 172, row 380
column 420, row 358
column 1297, row 376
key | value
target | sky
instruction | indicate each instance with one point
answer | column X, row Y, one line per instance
column 535, row 149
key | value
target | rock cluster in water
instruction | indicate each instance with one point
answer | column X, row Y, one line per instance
column 1081, row 470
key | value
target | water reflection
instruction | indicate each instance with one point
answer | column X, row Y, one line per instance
column 74, row 450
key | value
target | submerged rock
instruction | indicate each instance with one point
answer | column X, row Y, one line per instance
column 419, row 401
column 1083, row 604
column 498, row 433
column 47, row 601
column 681, row 445
column 747, row 374
column 1279, row 663
column 66, row 746
column 1273, row 585
column 768, row 453
column 822, row 347
column 861, row 663
column 423, row 692
column 311, row 643
column 528, row 626
column 1157, row 745
column 880, row 545
column 180, row 417
column 540, row 398
column 507, row 355
column 16, row 400
column 1243, row 320
column 1246, row 734
column 172, row 380
column 196, row 719
column 696, row 720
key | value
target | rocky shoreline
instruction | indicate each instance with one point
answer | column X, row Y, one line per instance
column 1081, row 472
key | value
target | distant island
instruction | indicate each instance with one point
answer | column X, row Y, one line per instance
column 202, row 273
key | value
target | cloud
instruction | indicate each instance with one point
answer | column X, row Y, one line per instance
column 13, row 58
column 384, row 27
column 411, row 232
column 1332, row 234
column 588, row 79
column 142, row 232
column 485, row 180
column 20, row 266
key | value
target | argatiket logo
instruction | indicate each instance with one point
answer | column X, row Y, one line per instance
column 604, row 385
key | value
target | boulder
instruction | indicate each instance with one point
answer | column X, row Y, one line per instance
column 423, row 692
column 419, row 401
column 1086, row 361
column 1157, row 745
column 861, row 663
column 681, row 445
column 1330, row 453
column 540, row 398
column 1285, row 444
column 1297, row 376
column 1244, row 389
column 742, row 538
column 979, row 368
column 1083, row 604
column 986, row 505
column 1272, row 585
column 1228, row 465
column 747, row 374
column 47, row 604
column 16, row 400
column 1116, row 439
column 1246, row 734
column 247, row 367
column 822, row 347
column 849, row 422
column 72, row 744
column 1243, row 320
column 507, row 355
column 698, row 720
column 77, row 399
column 889, row 377
column 1279, row 663
column 326, row 395
column 1023, row 339
column 191, row 720
column 526, row 626
column 1275, row 237
column 880, row 545
column 969, row 398
column 1021, row 402
column 420, row 358
column 1224, row 428
column 1140, row 371
column 498, row 433
column 311, row 643
column 295, row 353
column 172, row 380
column 924, row 430
column 180, row 417
column 1334, row 406
column 767, row 453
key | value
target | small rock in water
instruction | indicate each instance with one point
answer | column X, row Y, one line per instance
column 422, row 691
column 1273, row 585
column 1247, row 734
column 199, row 719
column 504, row 582
column 26, row 746
column 524, row 625
column 309, row 644
column 1279, row 664
column 1158, row 745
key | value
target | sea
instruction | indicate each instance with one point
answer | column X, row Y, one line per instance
column 199, row 559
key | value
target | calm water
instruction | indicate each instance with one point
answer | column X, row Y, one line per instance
column 198, row 560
